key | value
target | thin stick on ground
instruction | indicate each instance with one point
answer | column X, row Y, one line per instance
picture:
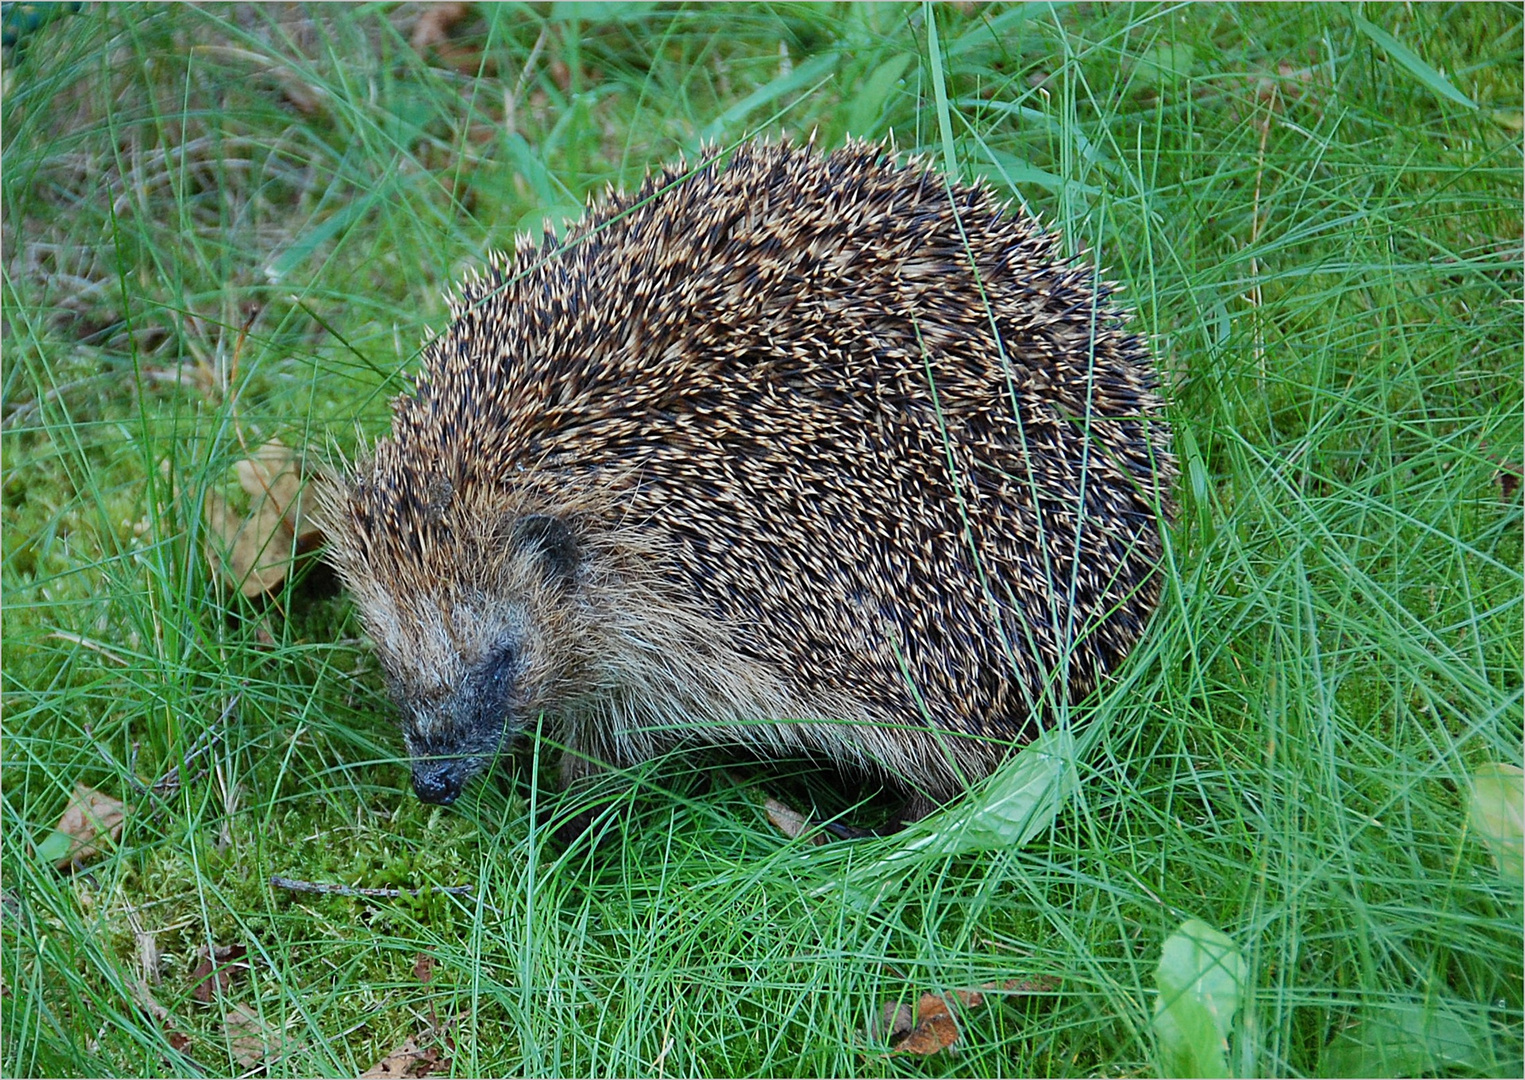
column 329, row 889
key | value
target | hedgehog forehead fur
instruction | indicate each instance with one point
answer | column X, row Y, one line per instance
column 858, row 441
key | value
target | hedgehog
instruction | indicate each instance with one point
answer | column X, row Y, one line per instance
column 807, row 455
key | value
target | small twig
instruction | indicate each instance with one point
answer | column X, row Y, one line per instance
column 116, row 767
column 84, row 642
column 327, row 889
column 176, row 1037
column 169, row 783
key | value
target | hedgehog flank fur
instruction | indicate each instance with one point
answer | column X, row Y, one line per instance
column 802, row 454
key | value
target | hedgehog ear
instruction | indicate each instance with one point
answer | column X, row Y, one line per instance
column 552, row 540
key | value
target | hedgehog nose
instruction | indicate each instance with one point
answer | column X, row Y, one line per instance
column 436, row 782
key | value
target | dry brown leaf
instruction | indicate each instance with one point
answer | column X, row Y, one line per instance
column 895, row 1019
column 791, row 823
column 1508, row 478
column 250, row 1039
column 303, row 96
column 275, row 473
column 423, row 967
column 256, row 552
column 409, row 1059
column 252, row 554
column 933, row 1026
column 89, row 820
column 177, row 1039
column 1511, row 471
column 270, row 473
column 434, row 25
column 560, row 74
column 215, row 972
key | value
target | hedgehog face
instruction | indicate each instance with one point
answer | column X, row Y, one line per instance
column 456, row 733
column 467, row 668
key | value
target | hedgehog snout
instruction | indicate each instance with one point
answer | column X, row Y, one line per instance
column 438, row 782
column 453, row 737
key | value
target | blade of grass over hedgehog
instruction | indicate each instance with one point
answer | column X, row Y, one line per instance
column 1324, row 251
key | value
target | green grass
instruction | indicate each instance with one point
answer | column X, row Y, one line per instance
column 224, row 225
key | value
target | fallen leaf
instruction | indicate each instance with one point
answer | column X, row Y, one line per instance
column 1412, row 1038
column 1508, row 478
column 935, row 1028
column 275, row 472
column 791, row 823
column 932, row 1025
column 216, row 971
column 895, row 1019
column 89, row 820
column 434, row 25
column 177, row 1039
column 1017, row 805
column 250, row 1039
column 409, row 1059
column 560, row 74
column 256, row 552
column 1498, row 815
column 928, row 1028
column 303, row 96
column 252, row 554
column 423, row 967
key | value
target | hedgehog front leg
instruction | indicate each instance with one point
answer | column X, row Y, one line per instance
column 918, row 804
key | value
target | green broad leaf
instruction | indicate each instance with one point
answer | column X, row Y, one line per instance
column 1011, row 809
column 308, row 242
column 1497, row 815
column 1408, row 1039
column 1165, row 62
column 1018, row 804
column 868, row 103
column 1411, row 62
column 1201, row 978
column 801, row 78
column 57, row 845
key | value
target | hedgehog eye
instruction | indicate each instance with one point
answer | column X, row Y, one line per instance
column 552, row 540
column 498, row 672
